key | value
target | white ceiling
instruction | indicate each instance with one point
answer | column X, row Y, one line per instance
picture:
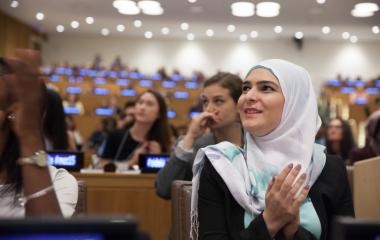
column 295, row 15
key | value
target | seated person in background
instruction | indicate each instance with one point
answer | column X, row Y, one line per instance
column 149, row 133
column 72, row 100
column 24, row 172
column 55, row 129
column 360, row 96
column 219, row 97
column 127, row 116
column 108, row 125
column 281, row 185
column 339, row 139
column 113, row 103
column 372, row 145
column 75, row 138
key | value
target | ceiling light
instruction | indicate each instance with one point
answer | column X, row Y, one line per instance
column 192, row 1
column 354, row 39
column 366, row 7
column 277, row 29
column 153, row 11
column 40, row 16
column 254, row 34
column 243, row 37
column 358, row 13
column 129, row 11
column 209, row 32
column 105, row 32
column 120, row 28
column 145, row 4
column 375, row 30
column 243, row 9
column 268, row 9
column 345, row 35
column 60, row 28
column 326, row 30
column 190, row 36
column 184, row 26
column 298, row 35
column 165, row 30
column 89, row 20
column 14, row 4
column 231, row 28
column 148, row 34
column 123, row 4
column 137, row 23
column 74, row 24
column 321, row 1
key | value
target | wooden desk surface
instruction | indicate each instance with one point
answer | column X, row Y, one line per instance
column 111, row 193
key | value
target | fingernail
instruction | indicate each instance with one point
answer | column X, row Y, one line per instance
column 307, row 187
column 298, row 167
column 303, row 175
column 290, row 165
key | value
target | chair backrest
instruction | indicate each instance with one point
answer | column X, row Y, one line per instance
column 81, row 207
column 350, row 176
column 367, row 188
column 181, row 205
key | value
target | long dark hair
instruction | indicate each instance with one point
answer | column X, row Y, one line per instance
column 160, row 130
column 54, row 125
column 346, row 144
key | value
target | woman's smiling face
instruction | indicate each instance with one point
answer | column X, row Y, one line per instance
column 261, row 103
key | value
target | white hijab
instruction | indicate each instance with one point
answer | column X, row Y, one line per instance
column 248, row 172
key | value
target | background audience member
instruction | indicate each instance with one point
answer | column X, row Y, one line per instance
column 127, row 116
column 72, row 100
column 23, row 162
column 108, row 125
column 339, row 138
column 372, row 145
column 149, row 133
column 219, row 96
column 75, row 138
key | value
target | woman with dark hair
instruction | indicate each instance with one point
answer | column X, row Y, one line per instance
column 219, row 98
column 372, row 145
column 28, row 186
column 55, row 130
column 148, row 134
column 339, row 138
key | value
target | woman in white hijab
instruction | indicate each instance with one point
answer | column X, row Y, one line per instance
column 281, row 185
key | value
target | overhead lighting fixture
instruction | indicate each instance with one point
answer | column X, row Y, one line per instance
column 321, row 1
column 190, row 36
column 165, row 30
column 126, row 7
column 74, row 24
column 14, row 4
column 254, row 34
column 277, row 29
column 353, row 39
column 209, row 32
column 298, row 35
column 148, row 34
column 105, row 32
column 268, row 9
column 40, row 16
column 137, row 23
column 243, row 9
column 150, row 7
column 60, row 28
column 192, row 1
column 326, row 30
column 345, row 35
column 120, row 28
column 231, row 28
column 184, row 26
column 375, row 30
column 366, row 9
column 90, row 20
column 243, row 37
column 129, row 11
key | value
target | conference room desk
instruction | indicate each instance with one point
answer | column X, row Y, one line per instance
column 112, row 193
